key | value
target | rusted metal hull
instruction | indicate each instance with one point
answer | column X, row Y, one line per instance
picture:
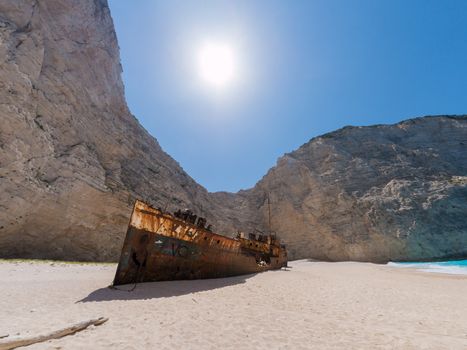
column 160, row 247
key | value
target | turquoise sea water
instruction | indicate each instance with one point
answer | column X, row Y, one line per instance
column 453, row 267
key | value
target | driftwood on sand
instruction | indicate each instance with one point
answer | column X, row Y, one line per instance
column 7, row 344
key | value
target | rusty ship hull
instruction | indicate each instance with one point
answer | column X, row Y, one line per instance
column 161, row 247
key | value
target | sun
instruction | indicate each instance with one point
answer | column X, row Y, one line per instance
column 216, row 63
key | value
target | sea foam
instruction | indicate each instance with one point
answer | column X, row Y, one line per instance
column 453, row 267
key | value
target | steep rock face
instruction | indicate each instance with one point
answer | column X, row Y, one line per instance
column 72, row 157
column 379, row 193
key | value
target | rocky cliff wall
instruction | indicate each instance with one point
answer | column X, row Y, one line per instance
column 379, row 193
column 73, row 158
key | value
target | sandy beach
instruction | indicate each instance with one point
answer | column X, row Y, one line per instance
column 313, row 305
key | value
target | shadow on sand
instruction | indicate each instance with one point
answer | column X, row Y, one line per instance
column 152, row 290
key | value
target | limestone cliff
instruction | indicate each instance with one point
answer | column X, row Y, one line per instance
column 73, row 158
column 379, row 193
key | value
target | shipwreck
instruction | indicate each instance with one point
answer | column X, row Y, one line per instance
column 160, row 246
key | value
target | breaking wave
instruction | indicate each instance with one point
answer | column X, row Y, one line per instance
column 453, row 267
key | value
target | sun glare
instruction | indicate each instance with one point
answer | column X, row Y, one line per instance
column 216, row 64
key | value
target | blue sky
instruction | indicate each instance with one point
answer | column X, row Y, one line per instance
column 304, row 68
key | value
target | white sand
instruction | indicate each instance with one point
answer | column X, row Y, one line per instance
column 314, row 305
